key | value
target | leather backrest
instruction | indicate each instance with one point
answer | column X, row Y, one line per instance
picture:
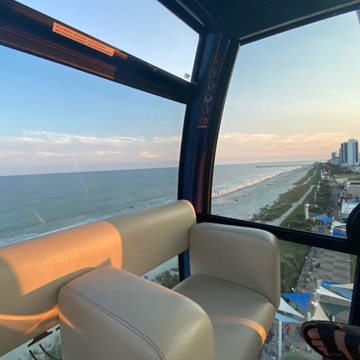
column 244, row 256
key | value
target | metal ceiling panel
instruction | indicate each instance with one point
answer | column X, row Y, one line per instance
column 250, row 20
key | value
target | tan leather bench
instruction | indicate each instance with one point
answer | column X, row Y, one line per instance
column 235, row 273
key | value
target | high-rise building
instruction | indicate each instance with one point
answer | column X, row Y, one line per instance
column 349, row 153
column 335, row 159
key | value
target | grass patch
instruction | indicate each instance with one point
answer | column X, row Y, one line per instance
column 316, row 178
column 285, row 201
column 297, row 218
column 313, row 173
column 311, row 196
column 271, row 213
column 292, row 262
column 292, row 256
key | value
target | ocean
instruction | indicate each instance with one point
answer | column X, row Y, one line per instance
column 32, row 205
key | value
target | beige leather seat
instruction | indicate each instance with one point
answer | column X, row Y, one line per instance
column 236, row 280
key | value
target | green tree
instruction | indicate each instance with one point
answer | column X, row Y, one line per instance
column 168, row 278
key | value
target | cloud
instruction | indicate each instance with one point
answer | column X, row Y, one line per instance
column 48, row 149
column 6, row 153
column 149, row 155
column 164, row 140
column 63, row 138
column 262, row 145
column 61, row 150
column 109, row 153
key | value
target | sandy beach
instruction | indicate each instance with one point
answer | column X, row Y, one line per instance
column 246, row 202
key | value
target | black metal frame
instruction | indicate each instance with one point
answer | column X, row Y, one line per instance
column 338, row 244
column 252, row 20
column 30, row 31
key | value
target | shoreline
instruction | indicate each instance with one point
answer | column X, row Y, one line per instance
column 246, row 202
column 228, row 190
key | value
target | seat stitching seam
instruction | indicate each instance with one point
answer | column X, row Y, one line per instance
column 118, row 319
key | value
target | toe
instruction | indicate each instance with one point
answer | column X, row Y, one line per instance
column 317, row 343
column 313, row 334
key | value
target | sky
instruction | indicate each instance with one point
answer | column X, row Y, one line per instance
column 299, row 97
column 294, row 96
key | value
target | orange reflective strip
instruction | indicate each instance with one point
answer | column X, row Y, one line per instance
column 242, row 321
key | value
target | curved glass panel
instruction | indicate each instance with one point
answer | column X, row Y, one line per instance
column 142, row 28
column 288, row 148
column 287, row 156
column 76, row 148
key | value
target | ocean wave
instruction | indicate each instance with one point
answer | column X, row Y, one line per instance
column 227, row 189
column 72, row 223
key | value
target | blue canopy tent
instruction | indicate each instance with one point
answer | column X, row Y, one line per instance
column 324, row 218
column 343, row 292
column 329, row 283
column 299, row 299
column 287, row 319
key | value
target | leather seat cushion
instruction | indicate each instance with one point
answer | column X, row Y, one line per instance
column 111, row 314
column 241, row 317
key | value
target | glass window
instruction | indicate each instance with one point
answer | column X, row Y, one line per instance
column 166, row 274
column 143, row 28
column 76, row 148
column 288, row 147
column 292, row 104
column 311, row 289
column 49, row 347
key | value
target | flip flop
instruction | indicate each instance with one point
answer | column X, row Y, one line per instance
column 326, row 331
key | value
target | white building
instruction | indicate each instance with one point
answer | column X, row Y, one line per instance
column 335, row 159
column 349, row 153
column 346, row 208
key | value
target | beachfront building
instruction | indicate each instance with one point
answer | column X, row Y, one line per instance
column 346, row 208
column 352, row 182
column 349, row 153
column 352, row 189
column 335, row 159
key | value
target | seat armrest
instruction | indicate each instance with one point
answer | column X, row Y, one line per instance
column 244, row 256
column 111, row 314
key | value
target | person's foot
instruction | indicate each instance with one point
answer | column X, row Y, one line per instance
column 333, row 340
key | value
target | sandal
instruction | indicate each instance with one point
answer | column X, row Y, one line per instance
column 326, row 330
